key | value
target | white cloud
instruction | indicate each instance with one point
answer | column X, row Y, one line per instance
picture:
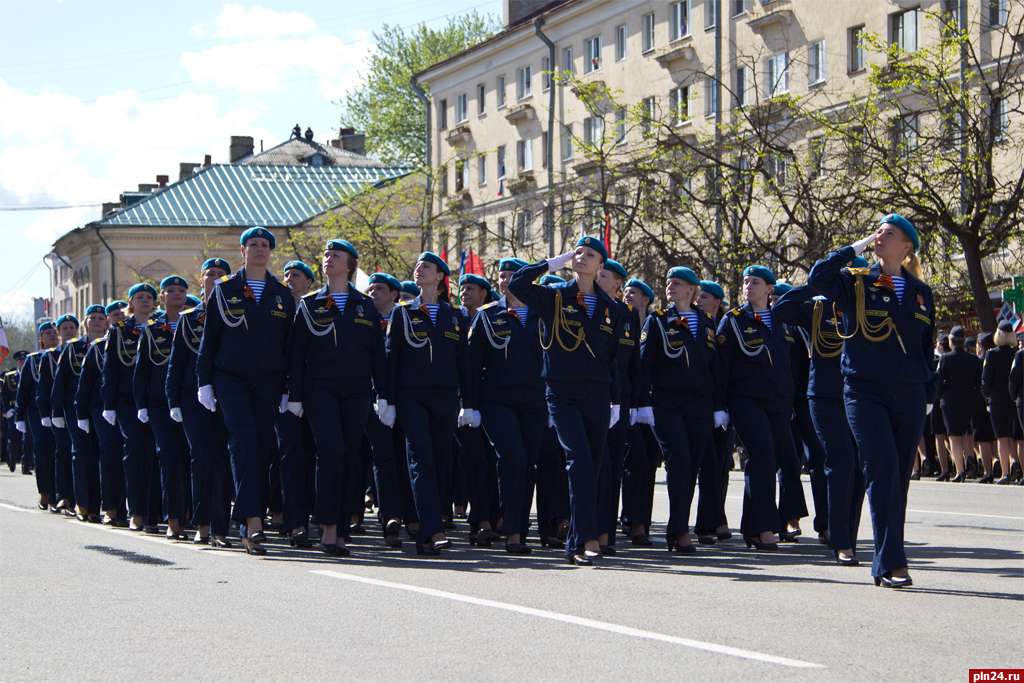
column 239, row 21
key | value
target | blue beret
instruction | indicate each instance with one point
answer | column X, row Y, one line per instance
column 474, row 279
column 906, row 226
column 258, row 232
column 762, row 272
column 858, row 262
column 301, row 267
column 431, row 257
column 142, row 287
column 616, row 267
column 643, row 287
column 217, row 263
column 410, row 287
column 385, row 279
column 171, row 280
column 781, row 288
column 67, row 318
column 550, row 279
column 683, row 273
column 342, row 245
column 45, row 325
column 114, row 305
column 193, row 300
column 712, row 288
column 95, row 308
column 594, row 243
column 511, row 264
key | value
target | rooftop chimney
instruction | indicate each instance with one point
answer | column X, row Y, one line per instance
column 146, row 187
column 354, row 142
column 514, row 11
column 110, row 207
column 161, row 180
column 186, row 169
column 241, row 147
column 207, row 161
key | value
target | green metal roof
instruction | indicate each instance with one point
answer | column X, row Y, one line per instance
column 245, row 195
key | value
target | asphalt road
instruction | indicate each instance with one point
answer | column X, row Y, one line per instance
column 83, row 602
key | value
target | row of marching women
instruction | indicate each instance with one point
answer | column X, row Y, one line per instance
column 271, row 403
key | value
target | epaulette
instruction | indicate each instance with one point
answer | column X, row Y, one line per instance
column 94, row 342
column 311, row 295
column 658, row 312
column 403, row 303
column 224, row 278
column 735, row 311
column 858, row 271
column 486, row 306
column 188, row 310
column 151, row 321
column 121, row 323
column 708, row 315
column 630, row 307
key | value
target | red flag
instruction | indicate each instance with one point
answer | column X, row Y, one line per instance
column 608, row 233
column 474, row 264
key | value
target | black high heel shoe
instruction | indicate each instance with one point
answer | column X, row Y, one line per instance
column 943, row 477
column 579, row 559
column 887, row 580
column 427, row 550
column 845, row 561
column 300, row 540
column 221, row 542
column 754, row 542
column 607, row 550
column 707, row 539
column 641, row 541
column 442, row 544
column 391, row 534
column 788, row 537
column 551, row 542
column 253, row 547
column 483, row 538
column 960, row 478
column 517, row 549
column 334, row 550
column 688, row 549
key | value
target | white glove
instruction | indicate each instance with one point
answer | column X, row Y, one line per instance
column 463, row 420
column 860, row 245
column 928, row 409
column 614, row 415
column 295, row 408
column 9, row 414
column 551, row 422
column 83, row 425
column 110, row 416
column 632, row 416
column 207, row 399
column 380, row 407
column 557, row 263
column 474, row 419
column 58, row 422
column 387, row 416
column 176, row 414
column 645, row 416
column 20, row 426
column 282, row 406
column 721, row 419
column 143, row 415
column 46, row 422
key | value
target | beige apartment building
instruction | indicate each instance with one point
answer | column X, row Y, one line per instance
column 497, row 110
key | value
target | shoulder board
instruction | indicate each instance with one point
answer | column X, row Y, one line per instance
column 97, row 341
column 629, row 307
column 188, row 310
column 858, row 271
column 224, row 278
column 657, row 311
column 120, row 323
column 310, row 296
column 735, row 311
column 403, row 303
column 151, row 322
column 487, row 306
column 708, row 315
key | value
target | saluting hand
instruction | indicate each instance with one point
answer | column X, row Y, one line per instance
column 557, row 263
column 860, row 245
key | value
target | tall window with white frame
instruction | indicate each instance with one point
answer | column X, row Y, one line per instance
column 903, row 30
column 565, row 140
column 524, row 82
column 442, row 114
column 740, row 85
column 481, row 169
column 710, row 14
column 999, row 118
column 710, row 97
column 620, row 42
column 620, row 125
column 461, row 108
column 739, row 7
column 680, row 104
column 567, row 60
column 545, row 74
column 499, row 91
column 481, row 99
column 855, row 38
column 647, row 32
column 776, row 76
column 524, row 155
column 650, row 107
column 817, row 71
column 998, row 12
column 679, row 20
column 500, row 156
column 593, row 130
column 591, row 54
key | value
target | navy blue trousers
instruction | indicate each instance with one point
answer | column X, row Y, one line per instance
column 43, row 448
column 210, row 470
column 638, row 474
column 337, row 420
column 515, row 431
column 475, row 457
column 713, row 481
column 142, row 477
column 172, row 454
column 250, row 411
column 581, row 415
column 609, row 479
column 763, row 426
column 552, row 484
column 390, row 472
column 85, row 463
column 63, row 477
column 428, row 421
column 842, row 472
column 684, row 430
column 886, row 421
column 111, row 463
column 296, row 445
column 809, row 445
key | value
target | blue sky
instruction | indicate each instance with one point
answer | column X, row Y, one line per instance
column 95, row 101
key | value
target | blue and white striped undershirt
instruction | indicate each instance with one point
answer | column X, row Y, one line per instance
column 766, row 317
column 899, row 283
column 590, row 300
column 691, row 319
column 521, row 312
column 257, row 288
column 173, row 324
column 340, row 299
column 432, row 312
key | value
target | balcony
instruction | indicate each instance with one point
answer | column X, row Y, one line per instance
column 461, row 200
column 584, row 166
column 523, row 183
column 521, row 113
column 459, row 136
column 676, row 54
column 771, row 13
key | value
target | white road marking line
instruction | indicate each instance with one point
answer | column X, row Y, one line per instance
column 964, row 514
column 8, row 506
column 577, row 621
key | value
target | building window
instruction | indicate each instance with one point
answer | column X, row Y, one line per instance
column 545, row 74
column 481, row 170
column 647, row 32
column 591, row 54
column 740, row 87
column 620, row 42
column 481, row 99
column 710, row 97
column 817, row 71
column 442, row 115
column 777, row 74
column 998, row 12
column 461, row 175
column 710, row 14
column 998, row 118
column 501, row 230
column 620, row 125
column 501, row 162
column 567, row 60
column 649, row 113
column 443, row 177
column 566, row 142
column 461, row 108
column 776, row 168
column 523, row 223
column 544, row 149
column 904, row 134
column 593, row 130
column 524, row 155
column 524, row 82
column 739, row 7
column 816, row 154
column 679, row 100
column 903, row 30
column 679, row 24
column 499, row 91
column 856, row 48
